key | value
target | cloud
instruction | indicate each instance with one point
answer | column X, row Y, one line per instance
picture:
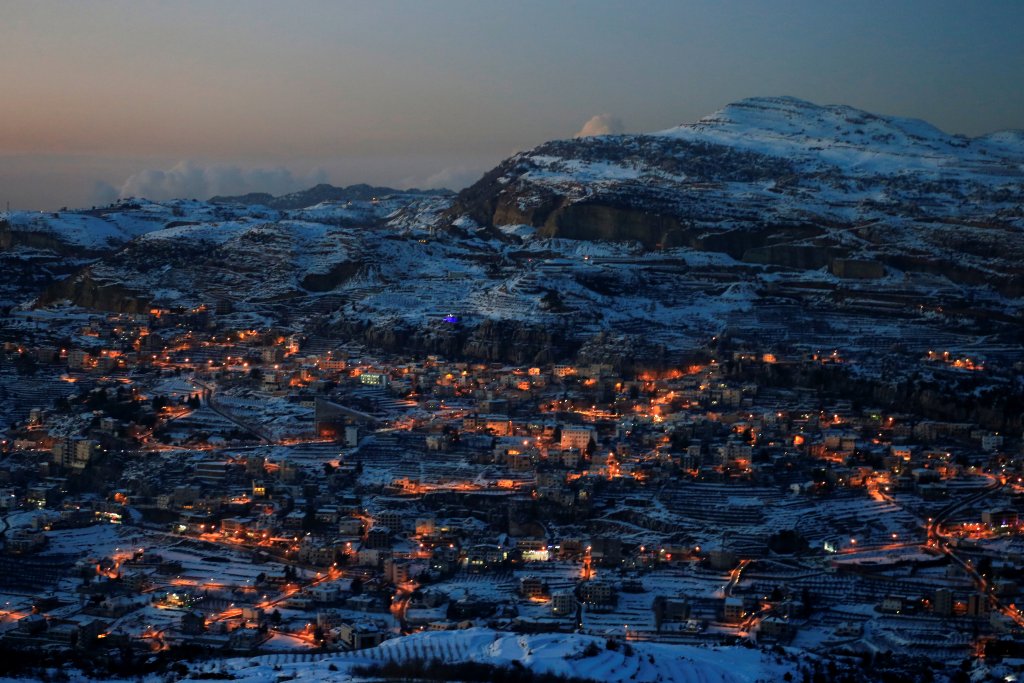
column 103, row 193
column 188, row 179
column 454, row 178
column 602, row 124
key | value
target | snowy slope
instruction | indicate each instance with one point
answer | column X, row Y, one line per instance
column 107, row 228
column 562, row 654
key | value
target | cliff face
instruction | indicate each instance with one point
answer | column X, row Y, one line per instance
column 604, row 221
column 32, row 260
column 11, row 237
column 335, row 276
column 84, row 290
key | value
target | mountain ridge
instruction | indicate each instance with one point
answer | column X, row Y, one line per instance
column 323, row 192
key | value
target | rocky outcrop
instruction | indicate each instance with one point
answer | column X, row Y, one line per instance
column 597, row 221
column 83, row 290
column 338, row 274
column 857, row 269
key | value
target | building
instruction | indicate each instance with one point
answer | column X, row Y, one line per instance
column 597, row 593
column 360, row 635
column 577, row 437
column 977, row 605
column 563, row 603
column 943, row 605
column 532, row 587
column 775, row 628
column 732, row 610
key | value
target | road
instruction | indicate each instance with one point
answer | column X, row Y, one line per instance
column 209, row 392
column 937, row 540
column 734, row 578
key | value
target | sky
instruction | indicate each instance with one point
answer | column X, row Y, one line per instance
column 106, row 98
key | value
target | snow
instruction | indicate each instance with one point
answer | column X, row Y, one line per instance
column 80, row 230
column 847, row 137
column 560, row 654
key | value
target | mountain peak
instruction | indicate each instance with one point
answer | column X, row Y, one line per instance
column 787, row 116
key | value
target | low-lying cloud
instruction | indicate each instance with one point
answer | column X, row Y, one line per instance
column 452, row 178
column 188, row 180
column 602, row 124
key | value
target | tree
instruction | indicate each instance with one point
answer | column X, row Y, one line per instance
column 309, row 518
column 658, row 607
column 25, row 364
column 806, row 598
column 97, row 399
column 787, row 542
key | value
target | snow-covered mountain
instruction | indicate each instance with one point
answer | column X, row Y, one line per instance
column 782, row 181
column 772, row 221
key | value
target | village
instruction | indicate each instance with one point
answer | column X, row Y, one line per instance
column 172, row 483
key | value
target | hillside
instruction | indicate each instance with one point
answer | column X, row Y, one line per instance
column 780, row 181
column 558, row 654
column 773, row 221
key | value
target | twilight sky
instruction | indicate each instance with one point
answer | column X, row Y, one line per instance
column 198, row 98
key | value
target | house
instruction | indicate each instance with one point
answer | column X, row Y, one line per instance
column 563, row 603
column 892, row 604
column 192, row 623
column 776, row 628
column 606, row 550
column 360, row 635
column 244, row 639
column 732, row 610
column 597, row 593
column 532, row 587
column 678, row 609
